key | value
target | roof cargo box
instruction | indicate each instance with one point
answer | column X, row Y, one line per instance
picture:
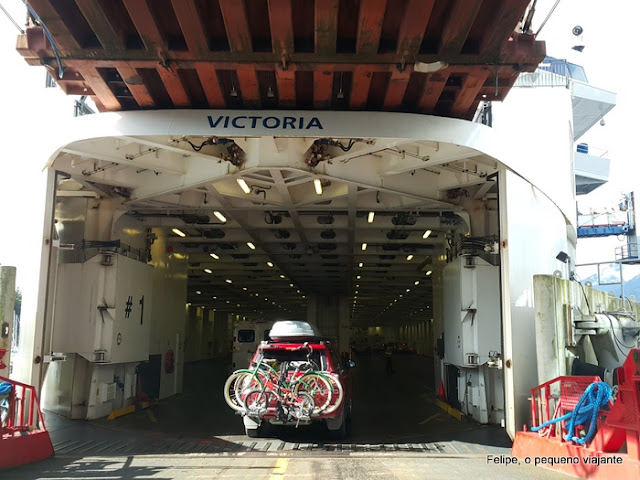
column 293, row 330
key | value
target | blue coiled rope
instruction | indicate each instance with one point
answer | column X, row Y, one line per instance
column 596, row 396
column 5, row 388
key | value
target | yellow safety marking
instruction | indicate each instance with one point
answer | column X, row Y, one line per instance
column 457, row 414
column 121, row 411
column 280, row 469
column 427, row 420
column 151, row 416
column 126, row 410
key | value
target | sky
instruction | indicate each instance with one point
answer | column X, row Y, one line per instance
column 28, row 110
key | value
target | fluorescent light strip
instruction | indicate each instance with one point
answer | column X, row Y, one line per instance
column 178, row 232
column 243, row 185
column 213, row 255
column 364, row 246
column 426, row 234
column 251, row 246
column 220, row 216
column 208, row 270
column 370, row 217
column 317, row 183
column 409, row 258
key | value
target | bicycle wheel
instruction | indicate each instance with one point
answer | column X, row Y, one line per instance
column 255, row 402
column 237, row 385
column 304, row 406
column 318, row 387
column 338, row 393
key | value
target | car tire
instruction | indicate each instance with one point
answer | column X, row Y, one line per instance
column 345, row 427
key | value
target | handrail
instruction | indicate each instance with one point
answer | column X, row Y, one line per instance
column 23, row 402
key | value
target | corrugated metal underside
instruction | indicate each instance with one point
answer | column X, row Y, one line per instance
column 284, row 54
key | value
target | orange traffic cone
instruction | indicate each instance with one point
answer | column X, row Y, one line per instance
column 441, row 394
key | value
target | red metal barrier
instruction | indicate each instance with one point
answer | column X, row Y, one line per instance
column 23, row 440
column 618, row 427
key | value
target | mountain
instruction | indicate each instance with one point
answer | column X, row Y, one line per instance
column 609, row 273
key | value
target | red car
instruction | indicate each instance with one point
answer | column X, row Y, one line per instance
column 336, row 413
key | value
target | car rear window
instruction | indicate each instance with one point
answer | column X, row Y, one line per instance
column 246, row 336
column 281, row 355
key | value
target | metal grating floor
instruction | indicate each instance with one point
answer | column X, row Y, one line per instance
column 182, row 446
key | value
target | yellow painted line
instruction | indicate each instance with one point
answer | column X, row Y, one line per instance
column 457, row 414
column 427, row 420
column 280, row 469
column 121, row 411
column 151, row 416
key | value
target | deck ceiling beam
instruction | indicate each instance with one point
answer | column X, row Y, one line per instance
column 412, row 28
column 433, row 87
column 110, row 36
column 64, row 39
column 503, row 25
column 236, row 24
column 94, row 80
column 326, row 26
column 370, row 20
column 281, row 24
column 136, row 85
column 360, row 89
column 469, row 91
column 456, row 30
column 147, row 27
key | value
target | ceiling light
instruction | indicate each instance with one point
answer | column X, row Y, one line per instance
column 282, row 276
column 317, row 183
column 291, row 284
column 370, row 217
column 214, row 256
column 243, row 185
column 408, row 290
column 178, row 232
column 426, row 234
column 244, row 288
column 220, row 216
column 198, row 292
column 228, row 281
column 359, row 277
column 208, row 270
column 417, row 282
column 364, row 246
column 409, row 257
column 251, row 246
column 360, row 264
column 215, row 298
column 270, row 264
column 429, row 273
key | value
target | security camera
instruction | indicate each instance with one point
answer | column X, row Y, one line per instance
column 577, row 30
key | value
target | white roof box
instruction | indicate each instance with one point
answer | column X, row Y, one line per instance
column 293, row 330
